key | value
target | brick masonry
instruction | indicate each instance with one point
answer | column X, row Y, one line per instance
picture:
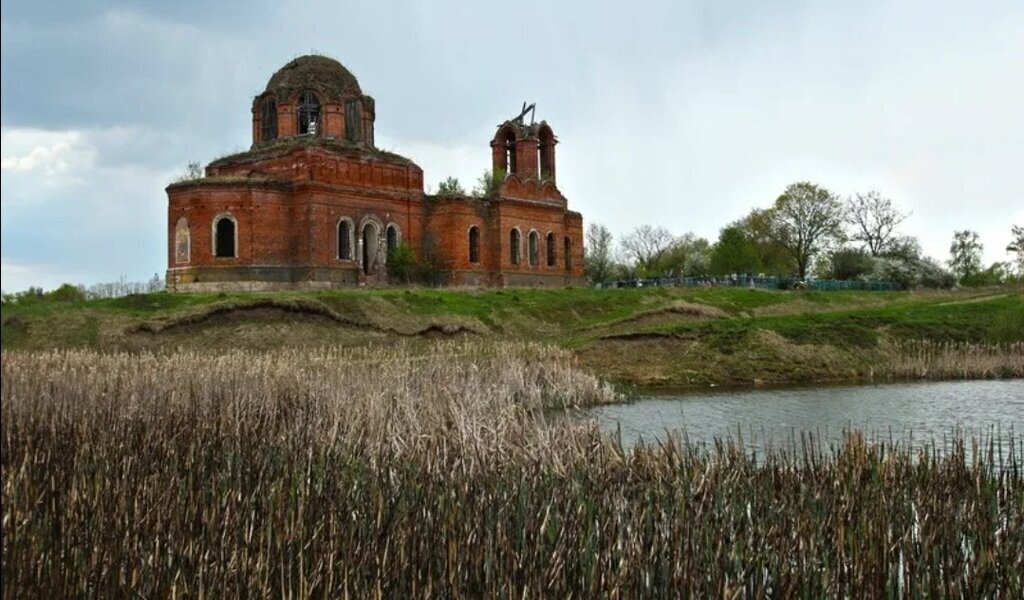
column 287, row 197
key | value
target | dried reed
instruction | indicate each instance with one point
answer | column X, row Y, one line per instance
column 382, row 473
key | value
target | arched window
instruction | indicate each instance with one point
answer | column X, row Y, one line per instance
column 568, row 253
column 534, row 242
column 182, row 242
column 268, row 120
column 547, row 153
column 370, row 248
column 509, row 139
column 474, row 244
column 515, row 241
column 309, row 113
column 345, row 239
column 549, row 242
column 224, row 237
column 392, row 237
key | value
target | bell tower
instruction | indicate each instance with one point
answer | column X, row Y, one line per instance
column 526, row 150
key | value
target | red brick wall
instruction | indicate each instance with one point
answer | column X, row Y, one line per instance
column 260, row 214
column 449, row 220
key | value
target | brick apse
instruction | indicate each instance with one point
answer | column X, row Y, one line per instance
column 314, row 204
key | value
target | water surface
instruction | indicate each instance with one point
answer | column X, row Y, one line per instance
column 913, row 414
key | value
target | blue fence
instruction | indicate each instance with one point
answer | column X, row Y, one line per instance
column 754, row 282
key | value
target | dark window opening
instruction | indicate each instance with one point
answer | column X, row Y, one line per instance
column 224, row 244
column 345, row 240
column 474, row 244
column 309, row 113
column 514, row 243
column 547, row 154
column 370, row 249
column 533, row 248
column 550, row 242
column 392, row 235
column 568, row 253
column 353, row 120
column 510, row 151
column 268, row 120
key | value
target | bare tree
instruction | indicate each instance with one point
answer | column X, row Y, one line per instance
column 806, row 219
column 597, row 256
column 874, row 219
column 646, row 245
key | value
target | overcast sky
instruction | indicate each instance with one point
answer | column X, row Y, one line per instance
column 674, row 113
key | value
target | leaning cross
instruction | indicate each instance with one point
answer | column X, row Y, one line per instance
column 526, row 109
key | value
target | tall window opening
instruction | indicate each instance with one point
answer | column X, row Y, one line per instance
column 568, row 253
column 547, row 154
column 474, row 244
column 224, row 237
column 533, row 248
column 268, row 120
column 345, row 239
column 549, row 243
column 514, row 243
column 509, row 139
column 309, row 113
column 392, row 237
column 353, row 120
column 370, row 248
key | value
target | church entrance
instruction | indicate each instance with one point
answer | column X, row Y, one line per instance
column 370, row 248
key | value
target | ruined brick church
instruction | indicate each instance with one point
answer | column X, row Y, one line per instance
column 315, row 204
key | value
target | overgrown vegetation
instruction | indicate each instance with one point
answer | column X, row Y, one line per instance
column 393, row 474
column 637, row 336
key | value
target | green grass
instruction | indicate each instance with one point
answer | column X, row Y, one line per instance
column 634, row 335
column 997, row 319
column 574, row 316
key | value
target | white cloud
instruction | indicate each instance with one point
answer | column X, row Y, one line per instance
column 77, row 207
column 48, row 152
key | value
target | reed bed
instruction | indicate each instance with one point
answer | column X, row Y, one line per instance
column 925, row 359
column 387, row 473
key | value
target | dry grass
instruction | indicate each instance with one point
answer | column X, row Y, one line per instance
column 381, row 473
column 923, row 359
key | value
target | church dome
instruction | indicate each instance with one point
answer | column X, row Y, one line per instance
column 324, row 75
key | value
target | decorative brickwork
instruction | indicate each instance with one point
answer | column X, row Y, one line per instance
column 322, row 209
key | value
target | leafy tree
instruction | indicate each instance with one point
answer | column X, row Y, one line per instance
column 904, row 247
column 734, row 252
column 488, row 184
column 913, row 272
column 597, row 256
column 402, row 263
column 874, row 220
column 772, row 256
column 645, row 246
column 805, row 220
column 995, row 274
column 965, row 254
column 849, row 263
column 1016, row 246
column 450, row 187
column 688, row 256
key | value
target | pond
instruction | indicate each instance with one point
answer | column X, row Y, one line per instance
column 912, row 414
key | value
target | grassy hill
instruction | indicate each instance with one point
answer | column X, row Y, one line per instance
column 648, row 336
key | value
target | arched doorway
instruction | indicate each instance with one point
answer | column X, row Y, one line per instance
column 370, row 247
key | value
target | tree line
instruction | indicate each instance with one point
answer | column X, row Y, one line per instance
column 808, row 231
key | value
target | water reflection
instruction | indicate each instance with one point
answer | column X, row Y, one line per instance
column 910, row 414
